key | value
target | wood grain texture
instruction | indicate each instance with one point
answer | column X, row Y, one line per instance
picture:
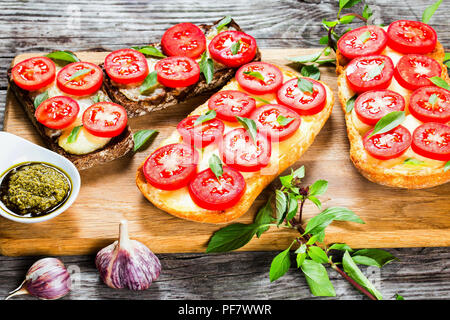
column 29, row 26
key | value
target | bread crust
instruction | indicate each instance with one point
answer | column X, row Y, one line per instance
column 255, row 181
column 171, row 96
column 410, row 179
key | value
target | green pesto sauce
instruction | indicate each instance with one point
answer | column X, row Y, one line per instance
column 34, row 189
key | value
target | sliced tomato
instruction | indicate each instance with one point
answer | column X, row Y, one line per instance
column 184, row 39
column 220, row 48
column 432, row 140
column 430, row 104
column 105, row 119
column 369, row 73
column 238, row 150
column 411, row 37
column 57, row 112
column 211, row 193
column 363, row 41
column 126, row 66
column 273, row 78
column 175, row 72
column 34, row 73
column 302, row 102
column 413, row 70
column 171, row 167
column 89, row 80
column 230, row 104
column 388, row 145
column 267, row 119
column 371, row 106
column 202, row 134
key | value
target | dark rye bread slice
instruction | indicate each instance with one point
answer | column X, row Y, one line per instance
column 116, row 148
column 171, row 96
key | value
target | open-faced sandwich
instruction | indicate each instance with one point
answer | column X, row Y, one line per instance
column 220, row 157
column 393, row 87
column 66, row 103
column 189, row 61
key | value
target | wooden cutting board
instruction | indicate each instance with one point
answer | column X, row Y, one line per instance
column 393, row 217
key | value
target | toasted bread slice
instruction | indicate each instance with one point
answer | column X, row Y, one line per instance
column 386, row 172
column 164, row 97
column 115, row 148
column 284, row 155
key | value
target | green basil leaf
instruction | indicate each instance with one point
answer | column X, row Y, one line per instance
column 447, row 166
column 323, row 40
column 428, row 13
column 310, row 71
column 141, row 137
column 283, row 121
column 215, row 164
column 363, row 37
column 224, row 22
column 74, row 134
column 207, row 67
column 367, row 12
column 317, row 278
column 312, row 240
column 235, row 47
column 340, row 247
column 301, row 255
column 375, row 71
column 62, row 57
column 398, row 297
column 307, row 58
column 286, row 181
column 292, row 207
column 150, row 51
column 96, row 98
column 231, row 237
column 318, row 223
column 414, row 162
column 373, row 257
column 353, row 271
column 261, row 99
column 264, row 216
column 329, row 24
column 346, row 19
column 350, row 104
column 211, row 114
column 388, row 122
column 280, row 265
column 249, row 125
column 149, row 83
column 79, row 73
column 281, row 205
column 447, row 59
column 325, row 61
column 319, row 187
column 316, row 201
column 305, row 85
column 345, row 4
column 255, row 74
column 440, row 82
column 317, row 254
column 299, row 173
column 433, row 98
column 40, row 98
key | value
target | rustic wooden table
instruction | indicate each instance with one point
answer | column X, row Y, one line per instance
column 30, row 26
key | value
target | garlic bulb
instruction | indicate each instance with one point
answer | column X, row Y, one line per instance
column 127, row 263
column 46, row 279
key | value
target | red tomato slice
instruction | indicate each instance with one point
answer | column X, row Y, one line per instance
column 184, row 39
column 304, row 103
column 202, row 134
column 105, row 119
column 82, row 85
column 126, row 66
column 57, row 112
column 371, row 106
column 211, row 193
column 432, row 140
column 369, row 73
column 273, row 78
column 363, row 41
column 388, row 145
column 34, row 73
column 413, row 70
column 266, row 120
column 238, row 150
column 230, row 104
column 171, row 167
column 427, row 110
column 220, row 48
column 175, row 72
column 411, row 37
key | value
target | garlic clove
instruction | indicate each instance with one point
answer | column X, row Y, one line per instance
column 46, row 279
column 127, row 263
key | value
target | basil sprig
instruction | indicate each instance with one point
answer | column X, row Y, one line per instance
column 79, row 73
column 363, row 37
column 305, row 85
column 440, row 82
column 235, row 47
column 249, row 125
column 350, row 104
column 255, row 74
column 388, row 122
column 375, row 71
column 216, row 166
column 150, row 51
column 447, row 166
column 40, row 98
column 261, row 100
column 428, row 13
column 141, row 138
column 223, row 23
column 62, row 57
column 149, row 83
column 207, row 67
column 74, row 134
column 211, row 114
column 284, row 121
column 414, row 162
column 433, row 98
